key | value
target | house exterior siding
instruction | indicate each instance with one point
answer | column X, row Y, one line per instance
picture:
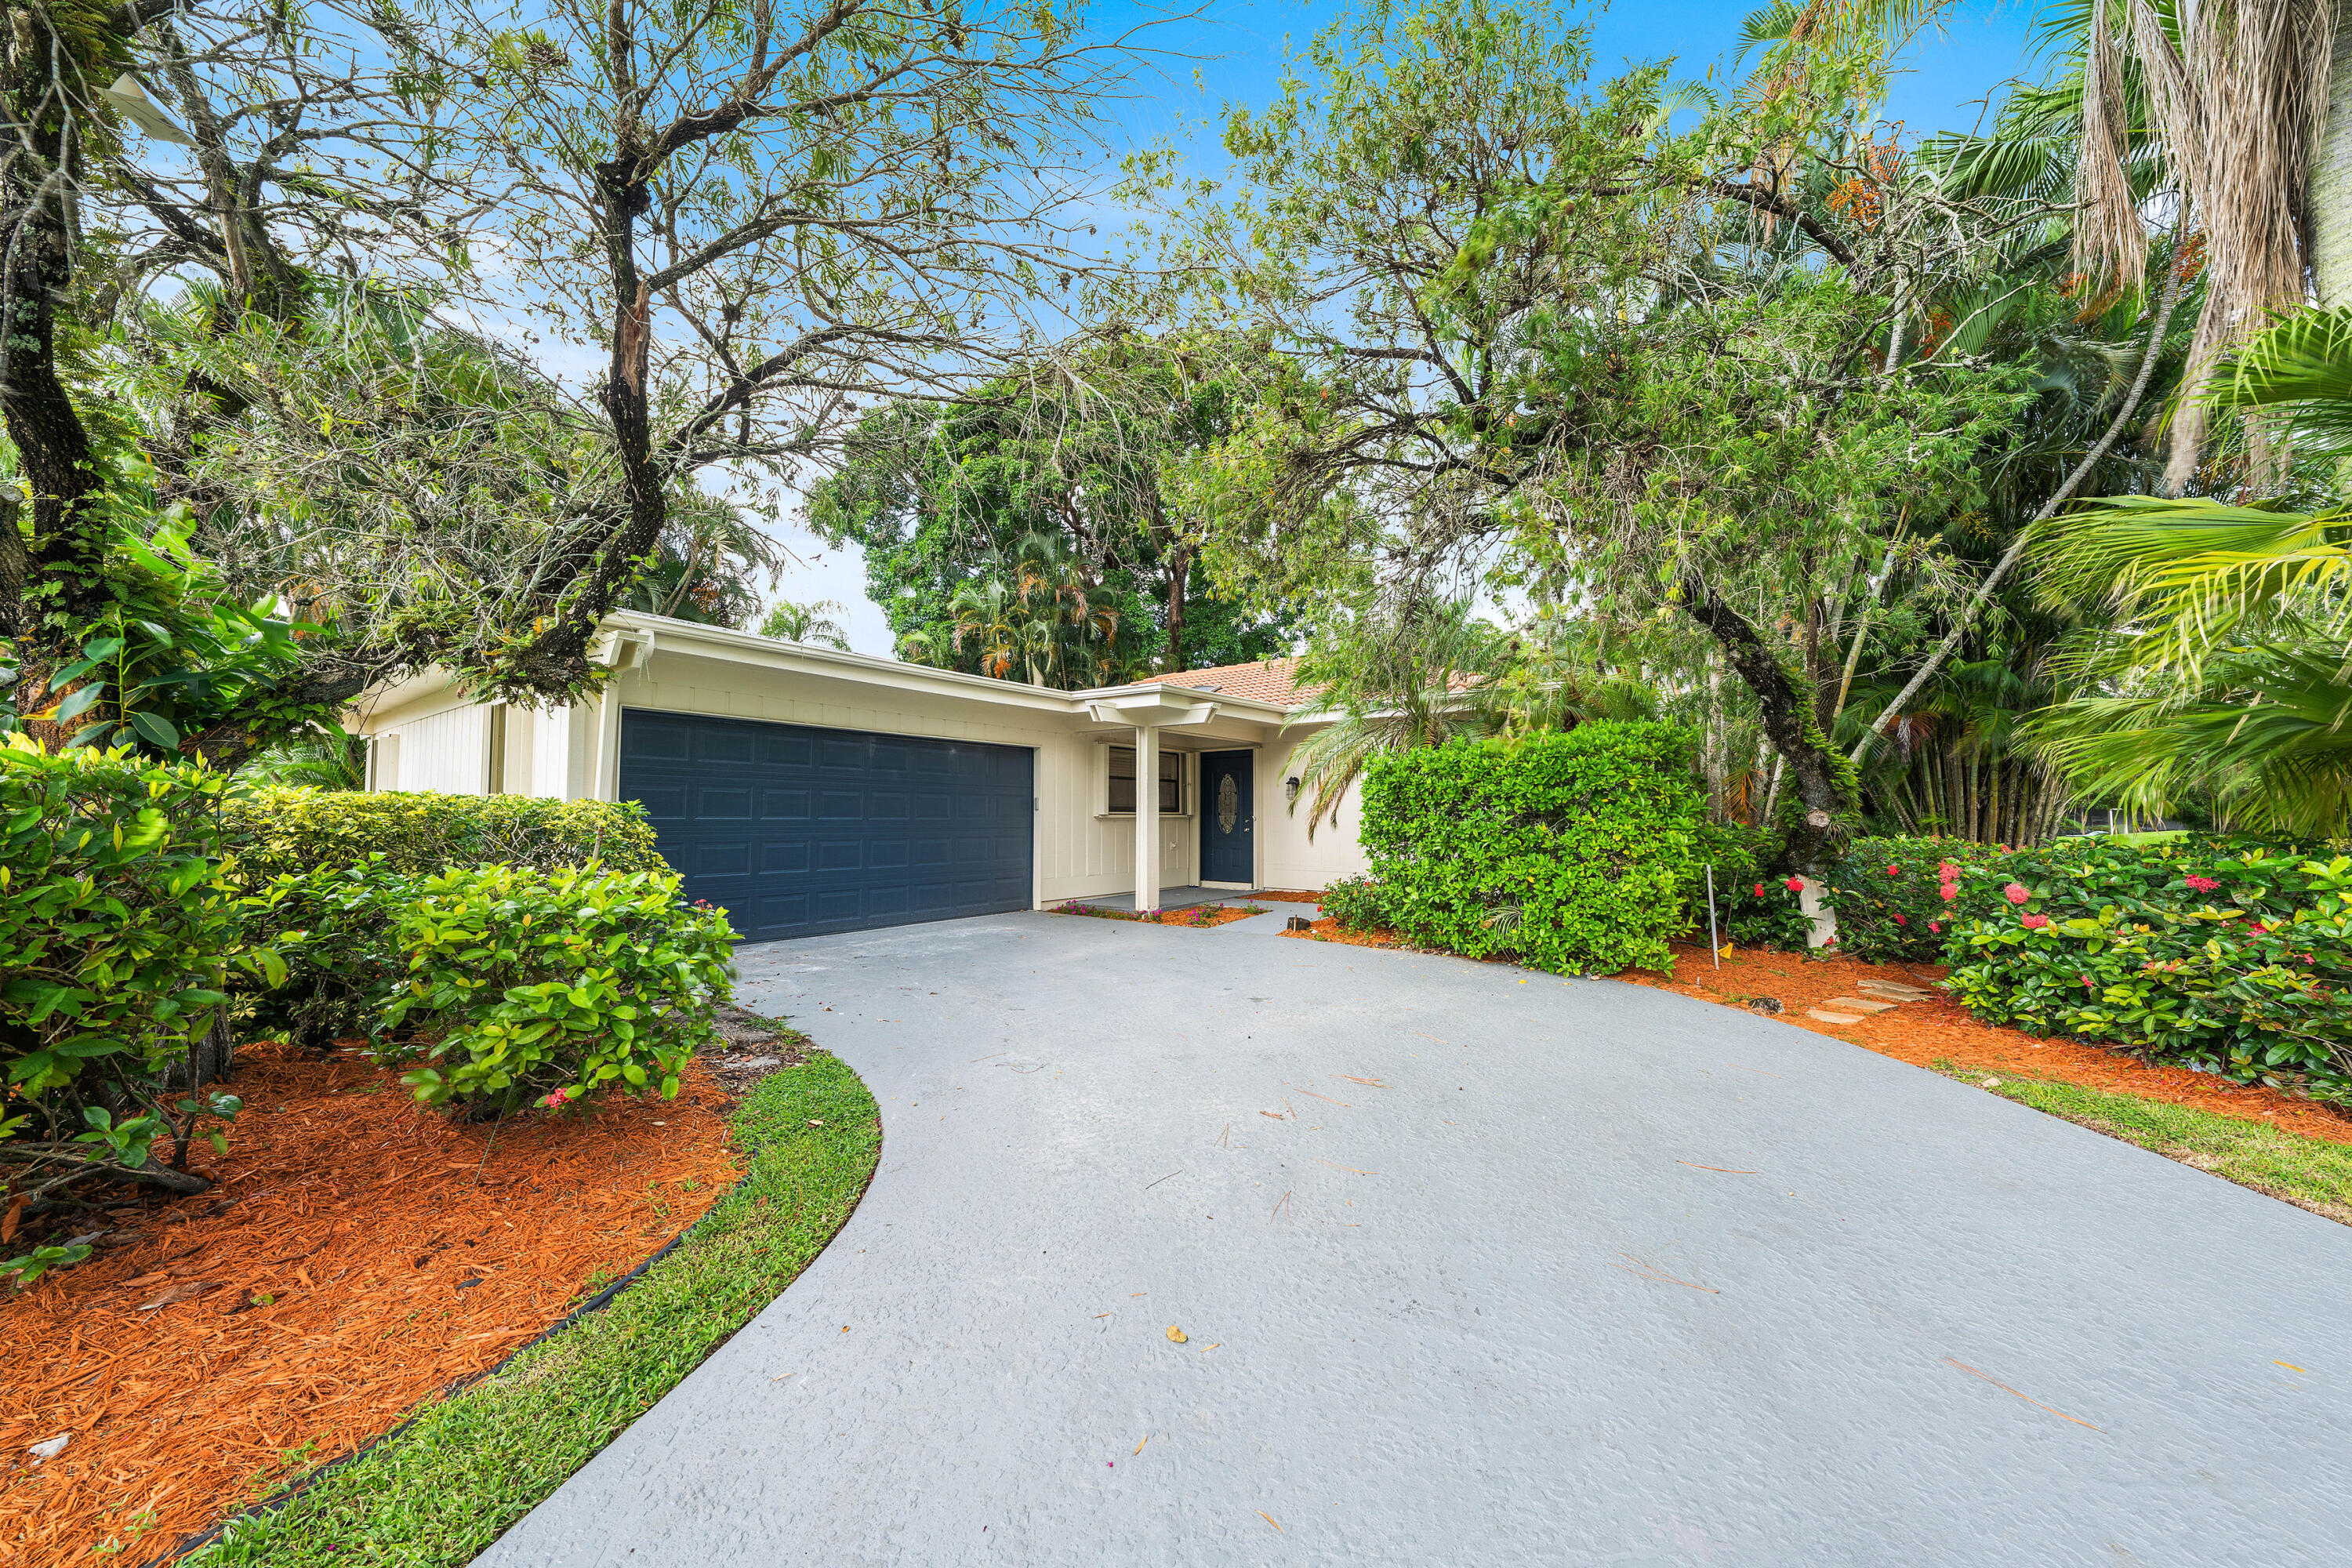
column 445, row 743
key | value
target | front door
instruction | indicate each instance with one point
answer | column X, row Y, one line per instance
column 1228, row 846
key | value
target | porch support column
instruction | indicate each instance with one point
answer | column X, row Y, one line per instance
column 1147, row 819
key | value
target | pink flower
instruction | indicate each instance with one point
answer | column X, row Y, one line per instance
column 2015, row 893
column 1948, row 870
column 1949, row 892
column 1934, row 927
column 2202, row 884
column 1900, row 921
column 2086, row 982
column 555, row 1098
column 1795, row 884
column 2035, row 922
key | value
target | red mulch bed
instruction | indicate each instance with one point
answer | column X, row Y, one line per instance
column 358, row 1256
column 1330, row 930
column 1935, row 1029
column 1202, row 917
column 1286, row 896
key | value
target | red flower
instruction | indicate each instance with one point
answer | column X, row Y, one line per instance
column 1934, row 927
column 1949, row 892
column 1795, row 884
column 1948, row 870
column 2015, row 893
column 1760, row 889
column 2258, row 928
column 1900, row 921
column 2202, row 884
column 2035, row 922
column 1895, row 871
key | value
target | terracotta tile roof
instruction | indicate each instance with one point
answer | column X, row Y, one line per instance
column 1261, row 681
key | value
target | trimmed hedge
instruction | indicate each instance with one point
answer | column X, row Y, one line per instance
column 278, row 832
column 1572, row 851
column 2222, row 954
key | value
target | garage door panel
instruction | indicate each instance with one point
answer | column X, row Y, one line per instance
column 798, row 831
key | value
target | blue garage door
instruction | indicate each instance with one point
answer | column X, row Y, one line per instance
column 797, row 831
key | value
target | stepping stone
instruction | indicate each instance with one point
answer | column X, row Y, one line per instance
column 1890, row 988
column 1856, row 1005
column 1829, row 1017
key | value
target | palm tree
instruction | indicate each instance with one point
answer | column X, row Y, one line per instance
column 1391, row 679
column 2228, row 669
column 812, row 623
column 2238, row 90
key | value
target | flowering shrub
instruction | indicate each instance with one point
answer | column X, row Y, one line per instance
column 1898, row 899
column 529, row 986
column 2226, row 955
column 1355, row 903
column 1753, row 908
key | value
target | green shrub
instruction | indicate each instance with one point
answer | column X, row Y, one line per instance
column 1355, row 903
column 1753, row 907
column 1573, row 850
column 1898, row 899
column 118, row 937
column 526, row 985
column 278, row 832
column 2219, row 954
column 334, row 928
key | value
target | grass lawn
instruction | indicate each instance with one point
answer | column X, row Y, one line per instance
column 2309, row 1173
column 472, row 1466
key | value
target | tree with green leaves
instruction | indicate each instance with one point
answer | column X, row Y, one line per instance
column 1531, row 326
column 1067, row 458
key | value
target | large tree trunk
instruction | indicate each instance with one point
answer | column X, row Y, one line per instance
column 1823, row 781
column 67, row 546
column 2330, row 201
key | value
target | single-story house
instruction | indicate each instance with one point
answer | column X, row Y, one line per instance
column 810, row 791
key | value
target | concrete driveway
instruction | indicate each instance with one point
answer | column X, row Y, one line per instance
column 1474, row 1266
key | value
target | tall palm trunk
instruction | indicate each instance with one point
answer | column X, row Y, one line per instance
column 2330, row 204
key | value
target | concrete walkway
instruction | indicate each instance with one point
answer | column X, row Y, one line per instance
column 1474, row 1266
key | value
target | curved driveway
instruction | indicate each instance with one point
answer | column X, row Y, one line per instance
column 1518, row 1271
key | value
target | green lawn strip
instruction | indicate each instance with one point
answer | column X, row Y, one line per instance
column 472, row 1466
column 2309, row 1173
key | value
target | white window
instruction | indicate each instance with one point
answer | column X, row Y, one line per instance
column 1119, row 796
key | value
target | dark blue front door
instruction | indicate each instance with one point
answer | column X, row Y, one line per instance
column 1228, row 852
column 797, row 831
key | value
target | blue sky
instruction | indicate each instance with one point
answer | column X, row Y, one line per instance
column 1238, row 47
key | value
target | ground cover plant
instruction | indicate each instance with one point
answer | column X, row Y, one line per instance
column 468, row 1468
column 2309, row 1173
column 1571, row 850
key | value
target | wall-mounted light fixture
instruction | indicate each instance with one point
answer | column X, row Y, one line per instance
column 1290, row 788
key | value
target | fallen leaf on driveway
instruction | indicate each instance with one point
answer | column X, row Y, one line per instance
column 1175, row 1335
column 1269, row 1518
column 187, row 1291
column 1351, row 1078
column 1725, row 1169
